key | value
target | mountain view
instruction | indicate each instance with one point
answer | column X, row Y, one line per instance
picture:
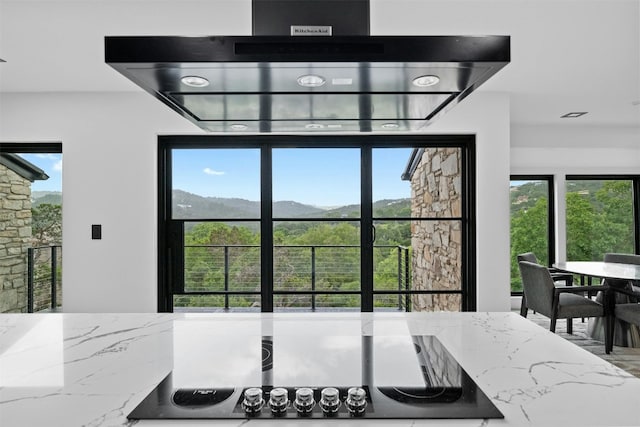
column 46, row 197
column 187, row 205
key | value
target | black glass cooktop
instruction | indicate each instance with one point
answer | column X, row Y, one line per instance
column 399, row 377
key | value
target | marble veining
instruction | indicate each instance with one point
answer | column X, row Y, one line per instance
column 93, row 369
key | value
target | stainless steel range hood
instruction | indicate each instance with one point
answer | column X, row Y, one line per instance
column 271, row 82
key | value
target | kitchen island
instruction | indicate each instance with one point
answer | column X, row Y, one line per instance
column 94, row 369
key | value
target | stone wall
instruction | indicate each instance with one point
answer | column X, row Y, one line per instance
column 15, row 239
column 436, row 262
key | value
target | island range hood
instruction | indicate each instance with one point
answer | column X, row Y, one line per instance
column 310, row 66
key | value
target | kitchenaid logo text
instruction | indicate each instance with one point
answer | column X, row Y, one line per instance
column 311, row 30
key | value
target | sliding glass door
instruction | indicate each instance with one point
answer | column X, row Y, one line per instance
column 315, row 224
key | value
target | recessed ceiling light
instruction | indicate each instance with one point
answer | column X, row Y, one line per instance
column 390, row 126
column 195, row 81
column 311, row 80
column 238, row 126
column 573, row 115
column 426, row 81
column 314, row 126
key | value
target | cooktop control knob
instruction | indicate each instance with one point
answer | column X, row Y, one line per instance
column 356, row 400
column 304, row 402
column 253, row 401
column 278, row 400
column 329, row 400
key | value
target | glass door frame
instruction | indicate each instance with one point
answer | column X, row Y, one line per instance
column 171, row 265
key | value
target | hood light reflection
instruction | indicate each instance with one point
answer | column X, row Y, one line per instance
column 390, row 126
column 426, row 81
column 314, row 126
column 195, row 81
column 311, row 80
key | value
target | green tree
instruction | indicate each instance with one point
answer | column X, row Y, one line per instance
column 529, row 230
column 46, row 224
column 580, row 225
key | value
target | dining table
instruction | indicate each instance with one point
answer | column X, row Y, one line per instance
column 613, row 274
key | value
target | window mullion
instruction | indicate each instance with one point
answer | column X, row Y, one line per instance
column 266, row 229
column 366, row 230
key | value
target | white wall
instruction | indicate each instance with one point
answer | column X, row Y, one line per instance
column 109, row 177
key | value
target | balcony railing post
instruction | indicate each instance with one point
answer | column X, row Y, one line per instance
column 226, row 277
column 313, row 278
column 54, row 273
column 406, row 279
column 399, row 248
column 30, row 261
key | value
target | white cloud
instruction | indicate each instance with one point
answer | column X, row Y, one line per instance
column 210, row 171
column 48, row 156
column 57, row 166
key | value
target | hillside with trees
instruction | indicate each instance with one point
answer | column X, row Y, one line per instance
column 332, row 247
column 599, row 220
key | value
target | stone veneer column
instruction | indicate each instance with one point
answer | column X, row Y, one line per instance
column 15, row 239
column 436, row 260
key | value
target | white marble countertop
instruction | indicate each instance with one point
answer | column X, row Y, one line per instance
column 93, row 369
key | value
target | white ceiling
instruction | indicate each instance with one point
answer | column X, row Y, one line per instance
column 567, row 55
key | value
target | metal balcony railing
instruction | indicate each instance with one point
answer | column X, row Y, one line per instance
column 301, row 273
column 44, row 279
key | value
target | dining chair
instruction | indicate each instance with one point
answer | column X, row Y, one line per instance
column 624, row 298
column 556, row 302
column 557, row 276
column 627, row 312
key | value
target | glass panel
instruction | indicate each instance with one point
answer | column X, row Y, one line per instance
column 215, row 183
column 318, row 302
column 392, row 255
column 391, row 302
column 316, row 255
column 391, row 192
column 599, row 218
column 435, row 177
column 529, row 224
column 436, row 256
column 316, row 183
column 215, row 303
column 221, row 256
column 319, row 106
column 30, row 225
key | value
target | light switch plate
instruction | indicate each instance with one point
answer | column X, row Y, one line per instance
column 96, row 231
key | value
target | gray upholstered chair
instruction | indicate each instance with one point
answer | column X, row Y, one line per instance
column 557, row 276
column 625, row 295
column 622, row 258
column 628, row 312
column 553, row 301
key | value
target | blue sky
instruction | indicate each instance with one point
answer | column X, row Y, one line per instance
column 51, row 164
column 319, row 177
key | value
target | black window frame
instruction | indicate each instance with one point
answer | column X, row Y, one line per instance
column 170, row 263
column 551, row 229
column 635, row 190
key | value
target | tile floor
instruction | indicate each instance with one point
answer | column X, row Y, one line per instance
column 623, row 357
